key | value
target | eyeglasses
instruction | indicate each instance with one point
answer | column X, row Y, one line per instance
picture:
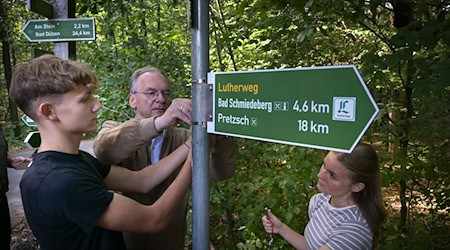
column 153, row 93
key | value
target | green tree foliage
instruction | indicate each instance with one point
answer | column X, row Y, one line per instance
column 280, row 177
column 402, row 50
column 138, row 34
column 18, row 50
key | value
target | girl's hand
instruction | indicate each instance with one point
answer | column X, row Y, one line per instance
column 271, row 223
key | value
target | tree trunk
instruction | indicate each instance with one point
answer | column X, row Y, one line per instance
column 218, row 47
column 223, row 28
column 403, row 15
column 6, row 56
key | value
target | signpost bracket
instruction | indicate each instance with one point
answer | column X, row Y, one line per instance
column 41, row 7
column 206, row 97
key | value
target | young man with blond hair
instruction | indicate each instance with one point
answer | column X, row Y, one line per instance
column 65, row 191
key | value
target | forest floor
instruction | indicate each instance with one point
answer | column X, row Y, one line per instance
column 21, row 236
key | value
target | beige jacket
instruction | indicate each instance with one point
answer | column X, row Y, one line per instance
column 126, row 146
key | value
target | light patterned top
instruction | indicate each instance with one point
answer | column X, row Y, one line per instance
column 337, row 228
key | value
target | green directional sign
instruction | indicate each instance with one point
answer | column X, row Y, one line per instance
column 60, row 30
column 321, row 107
column 28, row 121
column 33, row 139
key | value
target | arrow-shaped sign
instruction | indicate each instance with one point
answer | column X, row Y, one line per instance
column 60, row 30
column 320, row 107
column 28, row 121
column 33, row 139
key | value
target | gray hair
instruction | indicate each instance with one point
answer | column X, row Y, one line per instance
column 137, row 73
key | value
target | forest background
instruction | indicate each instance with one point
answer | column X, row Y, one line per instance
column 402, row 49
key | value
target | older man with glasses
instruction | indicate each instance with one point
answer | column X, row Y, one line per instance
column 149, row 137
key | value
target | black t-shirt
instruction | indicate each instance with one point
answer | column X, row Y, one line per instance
column 64, row 195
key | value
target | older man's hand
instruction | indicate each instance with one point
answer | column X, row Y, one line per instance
column 180, row 110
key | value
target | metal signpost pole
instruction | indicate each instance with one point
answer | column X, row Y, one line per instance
column 62, row 9
column 200, row 142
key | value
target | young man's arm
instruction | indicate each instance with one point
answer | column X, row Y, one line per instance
column 144, row 180
column 126, row 215
column 117, row 141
